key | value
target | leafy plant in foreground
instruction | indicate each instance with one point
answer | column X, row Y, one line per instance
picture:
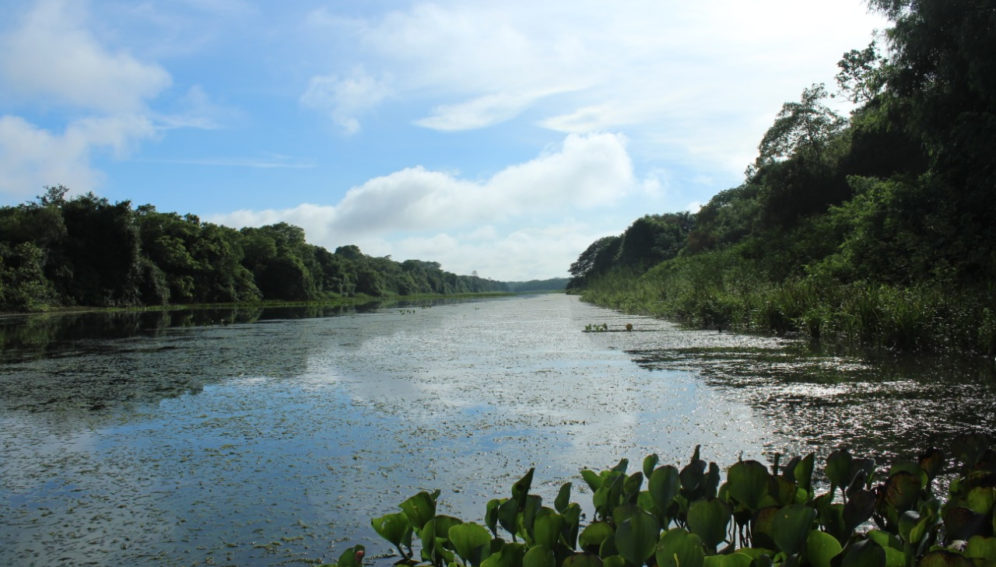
column 760, row 516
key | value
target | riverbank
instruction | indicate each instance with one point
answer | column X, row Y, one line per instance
column 724, row 290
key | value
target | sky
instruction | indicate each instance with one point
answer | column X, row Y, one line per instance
column 500, row 138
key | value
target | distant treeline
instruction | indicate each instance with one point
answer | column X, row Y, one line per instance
column 85, row 251
column 874, row 230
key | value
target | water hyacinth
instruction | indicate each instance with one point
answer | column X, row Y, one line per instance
column 865, row 515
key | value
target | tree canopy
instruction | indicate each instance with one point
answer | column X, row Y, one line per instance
column 86, row 251
column 894, row 201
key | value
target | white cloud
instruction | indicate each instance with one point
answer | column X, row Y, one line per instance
column 32, row 158
column 50, row 59
column 709, row 75
column 530, row 252
column 345, row 99
column 425, row 214
column 477, row 113
column 53, row 56
column 52, row 62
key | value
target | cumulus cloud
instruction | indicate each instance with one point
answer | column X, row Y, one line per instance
column 345, row 99
column 52, row 55
column 420, row 213
column 51, row 59
column 32, row 157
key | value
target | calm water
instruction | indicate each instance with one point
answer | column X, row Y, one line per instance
column 273, row 437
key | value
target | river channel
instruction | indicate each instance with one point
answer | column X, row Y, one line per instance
column 271, row 437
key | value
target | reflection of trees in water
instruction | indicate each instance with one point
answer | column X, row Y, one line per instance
column 93, row 361
column 27, row 337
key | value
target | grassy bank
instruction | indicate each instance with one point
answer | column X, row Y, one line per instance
column 723, row 290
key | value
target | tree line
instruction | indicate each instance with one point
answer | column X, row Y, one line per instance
column 876, row 228
column 85, row 251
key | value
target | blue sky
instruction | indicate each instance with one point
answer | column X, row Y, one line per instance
column 497, row 137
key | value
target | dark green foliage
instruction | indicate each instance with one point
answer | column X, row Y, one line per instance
column 756, row 517
column 85, row 251
column 876, row 231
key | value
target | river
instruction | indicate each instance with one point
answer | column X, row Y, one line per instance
column 268, row 437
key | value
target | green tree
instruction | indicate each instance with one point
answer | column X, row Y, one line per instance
column 101, row 251
column 596, row 260
column 862, row 75
column 801, row 128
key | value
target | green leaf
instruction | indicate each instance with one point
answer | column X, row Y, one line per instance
column 839, row 468
column 608, row 548
column 781, row 491
column 678, row 548
column 547, row 527
column 533, row 505
column 508, row 513
column 821, row 547
column 395, row 528
column 932, row 462
column 762, row 527
column 593, row 535
column 592, row 478
column 692, row 477
column 942, row 558
column 790, row 527
column 710, row 482
column 962, row 523
column 572, row 523
column 732, row 560
column 631, row 487
column 860, row 506
column 649, row 463
column 471, row 541
column 803, row 473
column 582, row 560
column 622, row 513
column 491, row 515
column 664, row 486
column 607, row 496
column 614, row 561
column 539, row 556
column 901, row 492
column 747, row 482
column 892, row 545
column 420, row 509
column 708, row 520
column 435, row 537
column 637, row 536
column 563, row 497
column 980, row 499
column 864, row 553
column 984, row 548
column 510, row 555
column 520, row 490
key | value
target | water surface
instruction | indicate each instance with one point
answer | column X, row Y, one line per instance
column 273, row 437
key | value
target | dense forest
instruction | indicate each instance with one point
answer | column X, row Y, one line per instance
column 875, row 229
column 85, row 251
